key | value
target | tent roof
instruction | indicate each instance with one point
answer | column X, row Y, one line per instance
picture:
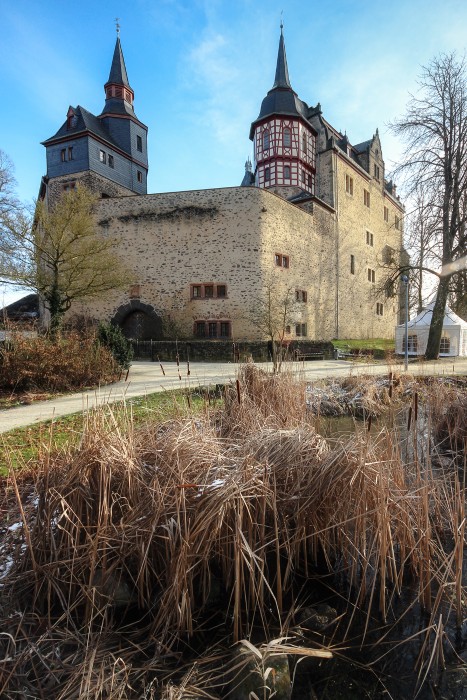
column 424, row 318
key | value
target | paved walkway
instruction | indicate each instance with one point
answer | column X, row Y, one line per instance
column 147, row 377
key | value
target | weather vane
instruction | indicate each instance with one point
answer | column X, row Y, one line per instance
column 117, row 25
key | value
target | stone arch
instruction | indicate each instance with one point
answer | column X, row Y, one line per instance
column 138, row 321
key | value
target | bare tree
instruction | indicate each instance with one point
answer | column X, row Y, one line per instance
column 273, row 313
column 60, row 253
column 435, row 131
column 8, row 201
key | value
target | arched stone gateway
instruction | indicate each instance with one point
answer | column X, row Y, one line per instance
column 139, row 321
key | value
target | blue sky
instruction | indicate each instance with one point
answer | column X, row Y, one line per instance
column 200, row 69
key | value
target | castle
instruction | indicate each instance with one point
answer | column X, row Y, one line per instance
column 314, row 219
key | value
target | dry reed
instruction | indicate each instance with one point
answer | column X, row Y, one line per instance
column 135, row 545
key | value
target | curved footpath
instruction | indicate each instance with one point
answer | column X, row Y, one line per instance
column 147, row 378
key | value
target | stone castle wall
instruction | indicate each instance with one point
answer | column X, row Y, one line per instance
column 365, row 235
column 173, row 241
column 231, row 237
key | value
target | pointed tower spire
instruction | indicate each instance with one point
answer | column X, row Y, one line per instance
column 118, row 94
column 282, row 72
column 118, row 72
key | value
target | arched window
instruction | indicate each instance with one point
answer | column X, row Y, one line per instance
column 286, row 137
column 265, row 140
column 304, row 144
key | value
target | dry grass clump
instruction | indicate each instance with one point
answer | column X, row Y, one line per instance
column 139, row 547
column 450, row 410
column 70, row 362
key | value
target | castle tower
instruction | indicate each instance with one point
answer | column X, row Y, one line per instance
column 284, row 140
column 108, row 153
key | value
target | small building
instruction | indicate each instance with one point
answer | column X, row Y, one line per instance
column 453, row 338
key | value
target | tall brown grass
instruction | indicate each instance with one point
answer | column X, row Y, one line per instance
column 141, row 545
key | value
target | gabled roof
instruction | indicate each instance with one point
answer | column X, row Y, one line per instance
column 83, row 122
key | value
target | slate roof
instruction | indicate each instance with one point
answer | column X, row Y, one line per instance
column 281, row 99
column 84, row 122
column 282, row 72
column 118, row 72
column 362, row 147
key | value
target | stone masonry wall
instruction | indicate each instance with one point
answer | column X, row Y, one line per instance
column 96, row 183
column 226, row 236
column 358, row 296
column 231, row 237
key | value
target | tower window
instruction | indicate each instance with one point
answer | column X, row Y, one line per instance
column 102, row 157
column 366, row 198
column 139, row 144
column 349, row 184
column 267, row 174
column 139, row 175
column 304, row 144
column 281, row 260
column 397, row 222
column 300, row 329
column 352, row 264
column 379, row 309
column 265, row 140
column 286, row 172
column 287, row 137
column 376, row 171
column 70, row 152
column 63, row 155
column 386, row 214
column 371, row 276
column 301, row 295
column 369, row 238
column 111, row 161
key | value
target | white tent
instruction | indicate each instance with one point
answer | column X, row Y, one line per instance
column 453, row 339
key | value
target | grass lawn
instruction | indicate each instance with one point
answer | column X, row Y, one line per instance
column 382, row 344
column 23, row 445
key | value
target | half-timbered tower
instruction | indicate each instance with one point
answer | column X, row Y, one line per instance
column 108, row 152
column 284, row 140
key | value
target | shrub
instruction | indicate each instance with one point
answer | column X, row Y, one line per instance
column 112, row 338
column 70, row 362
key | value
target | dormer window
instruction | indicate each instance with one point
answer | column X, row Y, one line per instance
column 265, row 140
column 70, row 119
